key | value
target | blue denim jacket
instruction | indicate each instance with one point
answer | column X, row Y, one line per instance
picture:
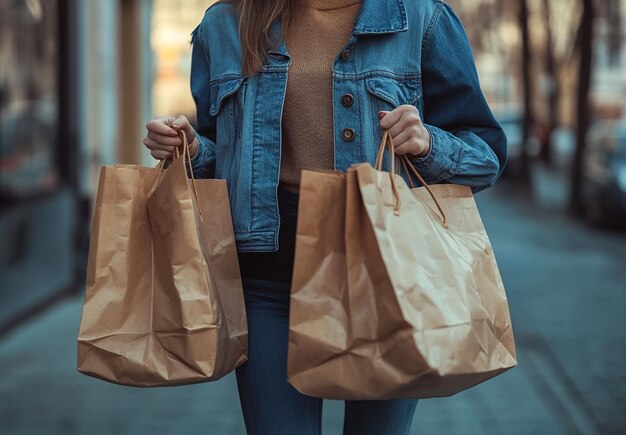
column 399, row 52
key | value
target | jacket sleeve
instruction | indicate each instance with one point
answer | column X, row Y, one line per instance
column 468, row 146
column 203, row 162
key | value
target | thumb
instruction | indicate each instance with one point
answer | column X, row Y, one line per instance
column 182, row 123
column 382, row 114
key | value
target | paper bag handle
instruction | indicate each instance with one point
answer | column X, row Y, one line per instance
column 407, row 165
column 186, row 160
column 385, row 143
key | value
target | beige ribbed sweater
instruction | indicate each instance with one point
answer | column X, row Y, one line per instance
column 320, row 28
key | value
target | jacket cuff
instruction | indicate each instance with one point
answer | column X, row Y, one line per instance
column 198, row 155
column 443, row 158
column 199, row 159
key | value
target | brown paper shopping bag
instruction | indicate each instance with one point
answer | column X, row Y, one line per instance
column 426, row 312
column 164, row 302
column 319, row 305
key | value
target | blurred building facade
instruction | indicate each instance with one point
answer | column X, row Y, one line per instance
column 75, row 91
column 38, row 153
column 79, row 79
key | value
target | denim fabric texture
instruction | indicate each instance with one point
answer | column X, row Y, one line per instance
column 399, row 52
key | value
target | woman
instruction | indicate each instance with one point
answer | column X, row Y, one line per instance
column 282, row 86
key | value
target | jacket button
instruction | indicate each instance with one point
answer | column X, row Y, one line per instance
column 348, row 134
column 345, row 54
column 347, row 100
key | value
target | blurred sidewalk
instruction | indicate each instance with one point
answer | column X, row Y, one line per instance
column 567, row 290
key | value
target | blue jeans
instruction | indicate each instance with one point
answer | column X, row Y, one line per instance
column 271, row 406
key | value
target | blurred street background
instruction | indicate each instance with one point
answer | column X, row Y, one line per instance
column 79, row 79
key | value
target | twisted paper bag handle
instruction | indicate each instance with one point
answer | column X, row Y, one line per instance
column 187, row 160
column 405, row 163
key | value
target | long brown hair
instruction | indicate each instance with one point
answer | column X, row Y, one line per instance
column 255, row 18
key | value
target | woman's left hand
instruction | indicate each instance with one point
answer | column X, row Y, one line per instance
column 407, row 130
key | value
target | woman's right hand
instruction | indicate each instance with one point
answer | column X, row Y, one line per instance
column 163, row 136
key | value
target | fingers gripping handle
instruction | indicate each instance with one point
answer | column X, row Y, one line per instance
column 405, row 163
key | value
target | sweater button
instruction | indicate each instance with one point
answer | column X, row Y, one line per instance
column 345, row 54
column 348, row 134
column 347, row 100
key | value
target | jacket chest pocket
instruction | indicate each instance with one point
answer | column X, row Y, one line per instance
column 227, row 100
column 388, row 93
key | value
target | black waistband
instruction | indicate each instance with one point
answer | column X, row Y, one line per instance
column 286, row 196
column 276, row 266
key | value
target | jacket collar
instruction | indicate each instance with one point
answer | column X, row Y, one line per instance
column 375, row 17
column 381, row 16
